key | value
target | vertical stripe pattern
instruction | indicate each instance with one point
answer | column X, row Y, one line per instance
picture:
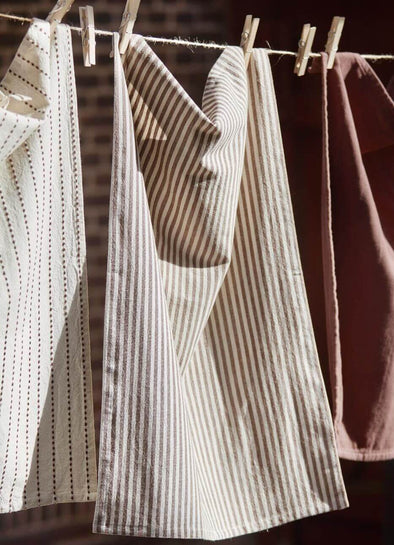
column 215, row 421
column 47, row 449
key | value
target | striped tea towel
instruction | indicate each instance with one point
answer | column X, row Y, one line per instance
column 47, row 450
column 215, row 421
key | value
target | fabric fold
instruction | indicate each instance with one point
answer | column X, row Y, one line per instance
column 24, row 103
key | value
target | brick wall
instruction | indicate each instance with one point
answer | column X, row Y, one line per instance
column 370, row 486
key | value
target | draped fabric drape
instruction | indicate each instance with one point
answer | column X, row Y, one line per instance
column 357, row 245
column 215, row 420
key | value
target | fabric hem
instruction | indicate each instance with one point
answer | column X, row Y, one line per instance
column 63, row 497
column 258, row 526
column 365, row 456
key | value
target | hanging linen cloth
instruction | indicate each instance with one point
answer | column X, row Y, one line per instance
column 358, row 257
column 215, row 421
column 47, row 449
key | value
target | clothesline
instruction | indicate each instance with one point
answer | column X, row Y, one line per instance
column 192, row 43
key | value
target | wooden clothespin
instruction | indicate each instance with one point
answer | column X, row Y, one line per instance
column 333, row 39
column 127, row 24
column 248, row 36
column 304, row 49
column 88, row 35
column 59, row 11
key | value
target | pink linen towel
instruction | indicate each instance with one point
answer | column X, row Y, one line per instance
column 358, row 239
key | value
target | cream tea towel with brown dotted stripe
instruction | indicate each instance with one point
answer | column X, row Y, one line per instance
column 47, row 449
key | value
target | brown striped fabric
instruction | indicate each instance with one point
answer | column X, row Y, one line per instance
column 47, row 450
column 215, row 421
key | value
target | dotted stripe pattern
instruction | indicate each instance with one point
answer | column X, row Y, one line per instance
column 37, row 275
column 91, row 472
column 46, row 407
column 27, row 295
column 64, row 278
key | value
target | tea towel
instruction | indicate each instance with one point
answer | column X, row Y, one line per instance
column 215, row 421
column 47, row 449
column 358, row 243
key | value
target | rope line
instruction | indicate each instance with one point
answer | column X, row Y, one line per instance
column 193, row 43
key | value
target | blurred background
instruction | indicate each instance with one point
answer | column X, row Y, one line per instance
column 368, row 29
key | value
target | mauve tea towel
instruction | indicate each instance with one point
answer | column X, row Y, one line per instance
column 358, row 257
